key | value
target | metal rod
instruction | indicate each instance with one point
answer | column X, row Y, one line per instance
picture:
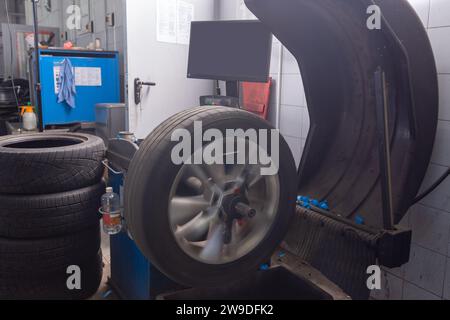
column 37, row 85
column 279, row 89
column 384, row 148
column 345, row 221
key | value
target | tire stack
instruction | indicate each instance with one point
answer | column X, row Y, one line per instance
column 50, row 191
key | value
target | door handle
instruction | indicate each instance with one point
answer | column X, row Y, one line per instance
column 138, row 84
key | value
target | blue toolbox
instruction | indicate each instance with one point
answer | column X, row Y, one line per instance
column 97, row 80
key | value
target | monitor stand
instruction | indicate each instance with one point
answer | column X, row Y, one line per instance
column 231, row 100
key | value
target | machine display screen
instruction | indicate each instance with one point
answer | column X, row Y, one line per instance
column 230, row 51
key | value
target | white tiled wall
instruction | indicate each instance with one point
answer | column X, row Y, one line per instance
column 427, row 275
column 294, row 117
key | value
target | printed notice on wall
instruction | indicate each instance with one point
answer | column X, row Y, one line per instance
column 173, row 21
column 166, row 20
column 88, row 77
column 184, row 19
column 84, row 77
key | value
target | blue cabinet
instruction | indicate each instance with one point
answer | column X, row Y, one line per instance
column 97, row 78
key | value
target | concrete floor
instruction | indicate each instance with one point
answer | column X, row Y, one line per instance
column 105, row 292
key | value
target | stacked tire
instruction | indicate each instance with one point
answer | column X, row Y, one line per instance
column 50, row 192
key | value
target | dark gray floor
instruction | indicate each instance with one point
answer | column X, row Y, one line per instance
column 105, row 292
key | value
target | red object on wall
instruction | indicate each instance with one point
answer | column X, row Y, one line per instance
column 256, row 97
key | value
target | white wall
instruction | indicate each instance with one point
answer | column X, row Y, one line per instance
column 160, row 62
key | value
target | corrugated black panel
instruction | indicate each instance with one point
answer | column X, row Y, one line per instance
column 340, row 252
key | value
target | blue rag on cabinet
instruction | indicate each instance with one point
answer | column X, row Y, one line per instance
column 67, row 90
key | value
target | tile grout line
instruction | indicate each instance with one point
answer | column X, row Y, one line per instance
column 434, row 208
column 438, row 164
column 404, row 281
column 432, row 250
column 426, row 290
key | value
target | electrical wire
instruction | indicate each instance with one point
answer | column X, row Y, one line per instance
column 432, row 187
column 8, row 21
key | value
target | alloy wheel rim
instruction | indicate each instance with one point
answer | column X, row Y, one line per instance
column 203, row 216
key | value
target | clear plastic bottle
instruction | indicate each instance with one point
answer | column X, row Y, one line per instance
column 112, row 213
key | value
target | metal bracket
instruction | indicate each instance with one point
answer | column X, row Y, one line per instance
column 107, row 166
column 394, row 246
column 119, row 154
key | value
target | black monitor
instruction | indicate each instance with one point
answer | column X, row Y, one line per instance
column 230, row 51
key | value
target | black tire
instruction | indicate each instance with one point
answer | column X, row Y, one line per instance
column 53, row 286
column 19, row 258
column 47, row 216
column 50, row 163
column 147, row 189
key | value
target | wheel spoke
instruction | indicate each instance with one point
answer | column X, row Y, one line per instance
column 247, row 175
column 254, row 178
column 196, row 229
column 217, row 173
column 195, row 184
column 184, row 209
column 253, row 175
column 200, row 173
column 238, row 171
column 214, row 245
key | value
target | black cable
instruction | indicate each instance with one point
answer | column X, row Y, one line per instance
column 433, row 187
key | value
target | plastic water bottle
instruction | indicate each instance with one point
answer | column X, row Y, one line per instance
column 112, row 213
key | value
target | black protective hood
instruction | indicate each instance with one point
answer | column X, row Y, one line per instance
column 338, row 56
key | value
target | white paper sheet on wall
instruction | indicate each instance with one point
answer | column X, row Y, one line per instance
column 56, row 74
column 166, row 21
column 173, row 19
column 88, row 77
column 185, row 15
column 84, row 77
